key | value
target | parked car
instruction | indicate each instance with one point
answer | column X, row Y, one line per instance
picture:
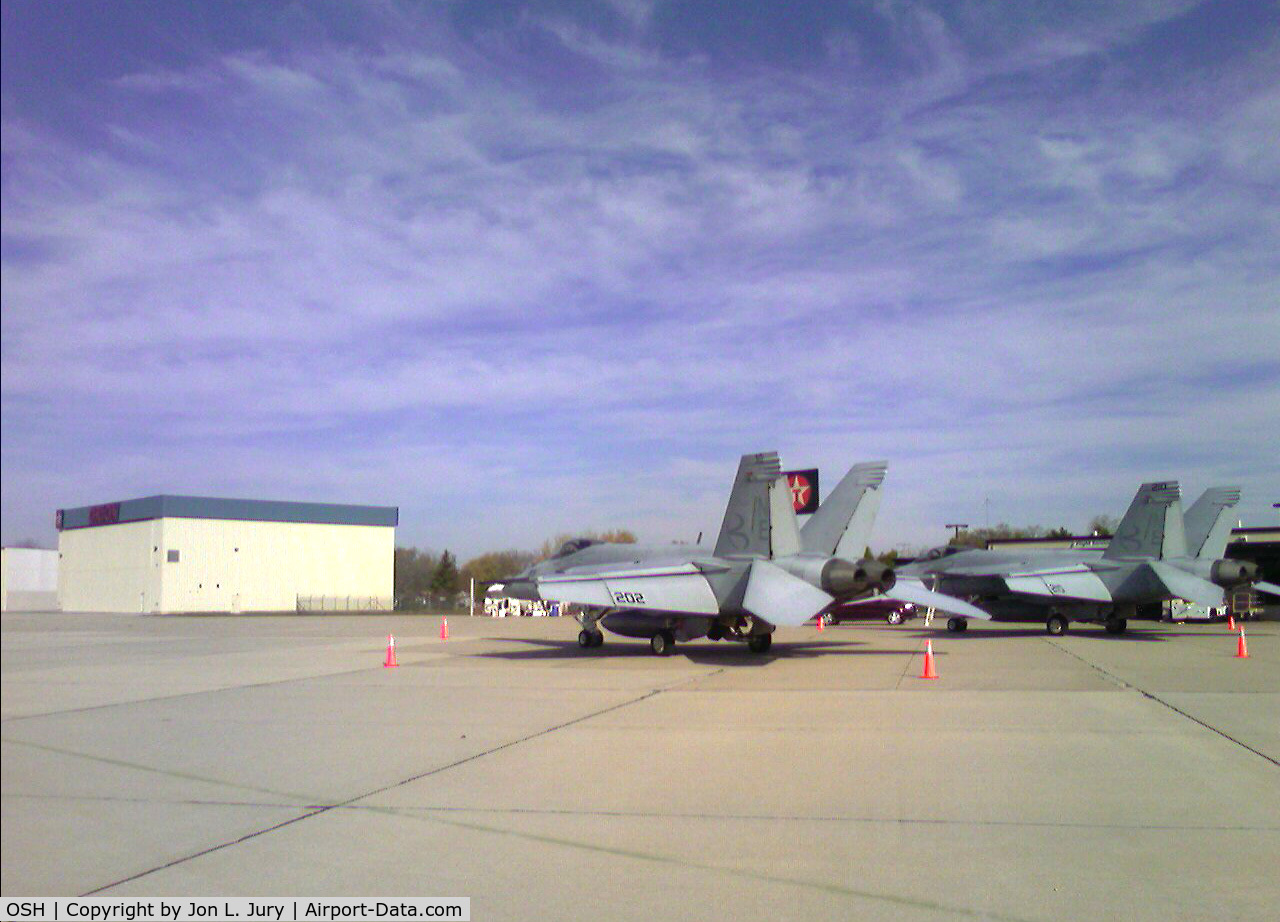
column 890, row 610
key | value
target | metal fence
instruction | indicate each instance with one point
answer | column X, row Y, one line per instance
column 319, row 603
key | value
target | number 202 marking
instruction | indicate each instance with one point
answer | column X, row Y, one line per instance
column 628, row 598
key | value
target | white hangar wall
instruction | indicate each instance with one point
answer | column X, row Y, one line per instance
column 195, row 554
column 28, row 579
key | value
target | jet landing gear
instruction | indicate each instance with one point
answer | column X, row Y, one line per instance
column 957, row 625
column 662, row 643
column 1056, row 625
column 589, row 639
column 759, row 643
column 1116, row 625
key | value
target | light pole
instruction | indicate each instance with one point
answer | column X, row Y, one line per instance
column 957, row 526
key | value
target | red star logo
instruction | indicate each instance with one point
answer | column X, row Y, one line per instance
column 799, row 491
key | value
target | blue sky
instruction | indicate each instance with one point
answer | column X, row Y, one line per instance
column 522, row 269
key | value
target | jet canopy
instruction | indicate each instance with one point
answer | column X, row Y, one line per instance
column 937, row 553
column 573, row 546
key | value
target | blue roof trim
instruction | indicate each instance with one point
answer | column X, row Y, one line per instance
column 206, row 507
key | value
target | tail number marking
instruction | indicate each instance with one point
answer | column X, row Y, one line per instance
column 628, row 598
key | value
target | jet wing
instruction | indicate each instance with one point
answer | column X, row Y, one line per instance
column 1060, row 583
column 681, row 588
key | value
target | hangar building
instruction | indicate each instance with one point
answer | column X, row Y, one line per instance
column 28, row 579
column 171, row 554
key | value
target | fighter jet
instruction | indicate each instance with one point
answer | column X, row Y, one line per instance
column 1146, row 561
column 764, row 572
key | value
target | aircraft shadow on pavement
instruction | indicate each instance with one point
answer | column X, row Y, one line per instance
column 721, row 654
column 1131, row 635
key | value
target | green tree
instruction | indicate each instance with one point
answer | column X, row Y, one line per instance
column 414, row 570
column 493, row 567
column 1103, row 525
column 444, row 581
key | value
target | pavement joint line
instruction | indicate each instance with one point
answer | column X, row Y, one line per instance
column 636, row 814
column 192, row 694
column 1158, row 700
column 743, row 873
column 318, row 811
column 911, row 659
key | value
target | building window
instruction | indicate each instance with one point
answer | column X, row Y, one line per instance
column 173, row 556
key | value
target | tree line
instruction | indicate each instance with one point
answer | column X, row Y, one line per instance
column 425, row 579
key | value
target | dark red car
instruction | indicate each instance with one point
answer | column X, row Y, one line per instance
column 890, row 610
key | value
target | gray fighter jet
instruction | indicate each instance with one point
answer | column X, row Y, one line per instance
column 765, row 572
column 1146, row 561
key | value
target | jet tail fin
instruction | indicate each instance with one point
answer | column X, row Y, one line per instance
column 1208, row 524
column 1153, row 525
column 842, row 524
column 747, row 524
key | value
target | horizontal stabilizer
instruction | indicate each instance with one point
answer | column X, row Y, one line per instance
column 776, row 596
column 909, row 590
column 1060, row 584
column 1184, row 585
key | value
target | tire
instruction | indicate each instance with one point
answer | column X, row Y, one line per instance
column 586, row 640
column 1056, row 625
column 1116, row 625
column 895, row 617
column 956, row 625
column 760, row 643
column 597, row 639
column 662, row 643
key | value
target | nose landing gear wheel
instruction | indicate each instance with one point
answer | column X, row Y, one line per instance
column 760, row 643
column 1056, row 625
column 1116, row 625
column 589, row 639
column 957, row 625
column 662, row 643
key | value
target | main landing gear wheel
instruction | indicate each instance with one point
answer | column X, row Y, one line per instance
column 957, row 625
column 589, row 639
column 662, row 643
column 760, row 643
column 1056, row 625
column 895, row 617
column 1116, row 625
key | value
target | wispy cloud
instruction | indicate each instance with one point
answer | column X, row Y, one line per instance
column 559, row 269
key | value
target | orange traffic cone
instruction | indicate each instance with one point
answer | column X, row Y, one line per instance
column 444, row 628
column 928, row 672
column 822, row 626
column 391, row 653
column 1242, row 651
column 1231, row 622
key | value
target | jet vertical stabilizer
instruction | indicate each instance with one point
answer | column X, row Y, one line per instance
column 842, row 525
column 1208, row 522
column 1153, row 525
column 784, row 531
column 746, row 528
